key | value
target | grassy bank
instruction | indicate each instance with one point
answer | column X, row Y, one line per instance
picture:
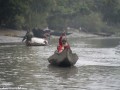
column 12, row 33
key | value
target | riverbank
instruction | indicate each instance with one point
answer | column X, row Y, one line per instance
column 12, row 33
column 15, row 36
column 11, row 36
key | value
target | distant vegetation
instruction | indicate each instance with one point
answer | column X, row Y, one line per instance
column 89, row 15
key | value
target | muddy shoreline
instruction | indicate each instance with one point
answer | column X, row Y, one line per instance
column 15, row 36
column 11, row 36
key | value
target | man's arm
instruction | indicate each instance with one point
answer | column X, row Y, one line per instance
column 60, row 39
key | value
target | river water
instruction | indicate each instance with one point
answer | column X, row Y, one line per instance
column 27, row 68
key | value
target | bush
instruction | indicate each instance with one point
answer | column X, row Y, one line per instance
column 19, row 22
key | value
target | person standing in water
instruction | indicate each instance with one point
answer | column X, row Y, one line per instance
column 28, row 37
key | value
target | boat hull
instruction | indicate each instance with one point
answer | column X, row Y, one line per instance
column 37, row 42
column 65, row 58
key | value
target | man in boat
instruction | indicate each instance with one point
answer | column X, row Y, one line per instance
column 63, row 44
column 28, row 37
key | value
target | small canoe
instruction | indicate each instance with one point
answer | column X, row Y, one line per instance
column 37, row 42
column 65, row 58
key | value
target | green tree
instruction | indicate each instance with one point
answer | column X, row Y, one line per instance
column 10, row 10
column 110, row 10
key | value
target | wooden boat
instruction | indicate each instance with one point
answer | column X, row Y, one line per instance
column 65, row 58
column 104, row 34
column 40, row 33
column 37, row 42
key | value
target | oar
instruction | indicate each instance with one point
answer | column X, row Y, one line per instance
column 65, row 35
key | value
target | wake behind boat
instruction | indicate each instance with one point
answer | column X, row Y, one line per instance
column 65, row 59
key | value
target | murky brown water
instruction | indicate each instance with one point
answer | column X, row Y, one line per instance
column 27, row 68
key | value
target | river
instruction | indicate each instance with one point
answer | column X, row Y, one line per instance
column 27, row 68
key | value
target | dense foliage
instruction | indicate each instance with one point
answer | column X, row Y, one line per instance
column 90, row 15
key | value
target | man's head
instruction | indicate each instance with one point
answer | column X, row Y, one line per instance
column 64, row 41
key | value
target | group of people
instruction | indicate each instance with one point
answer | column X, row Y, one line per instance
column 63, row 44
column 29, row 34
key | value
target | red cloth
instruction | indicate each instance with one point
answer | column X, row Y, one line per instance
column 59, row 48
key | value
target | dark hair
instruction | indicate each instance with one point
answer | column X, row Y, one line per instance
column 64, row 40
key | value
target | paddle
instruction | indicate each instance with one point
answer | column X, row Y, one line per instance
column 65, row 35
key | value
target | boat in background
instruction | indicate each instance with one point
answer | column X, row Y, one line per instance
column 64, row 59
column 37, row 42
column 41, row 33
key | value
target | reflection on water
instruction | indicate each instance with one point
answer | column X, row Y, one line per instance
column 63, row 72
column 27, row 67
column 95, row 42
